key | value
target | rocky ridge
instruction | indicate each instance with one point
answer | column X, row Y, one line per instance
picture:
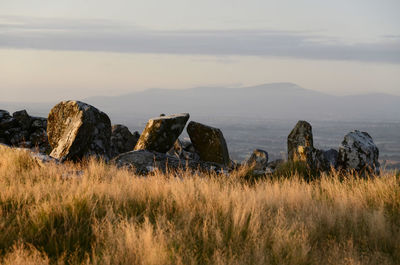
column 75, row 130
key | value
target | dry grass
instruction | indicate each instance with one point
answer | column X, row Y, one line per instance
column 53, row 215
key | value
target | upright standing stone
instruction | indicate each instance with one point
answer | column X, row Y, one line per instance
column 209, row 143
column 161, row 133
column 76, row 130
column 300, row 143
column 358, row 152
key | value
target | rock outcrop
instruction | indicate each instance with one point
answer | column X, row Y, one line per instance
column 300, row 143
column 259, row 160
column 23, row 130
column 122, row 140
column 77, row 130
column 161, row 133
column 209, row 143
column 358, row 152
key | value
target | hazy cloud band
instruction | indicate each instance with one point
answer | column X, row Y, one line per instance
column 109, row 36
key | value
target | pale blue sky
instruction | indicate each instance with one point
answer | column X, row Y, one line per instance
column 54, row 49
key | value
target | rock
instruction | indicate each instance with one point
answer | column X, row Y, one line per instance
column 188, row 146
column 183, row 150
column 145, row 161
column 209, row 143
column 258, row 159
column 38, row 123
column 77, row 130
column 4, row 115
column 358, row 152
column 325, row 160
column 122, row 140
column 8, row 123
column 300, row 143
column 23, row 119
column 161, row 133
column 38, row 137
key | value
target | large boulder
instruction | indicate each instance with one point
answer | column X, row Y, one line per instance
column 358, row 152
column 325, row 160
column 23, row 119
column 209, row 143
column 161, row 133
column 122, row 140
column 258, row 159
column 76, row 130
column 300, row 143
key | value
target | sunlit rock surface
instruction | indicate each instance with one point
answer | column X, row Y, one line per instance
column 358, row 152
column 161, row 133
column 77, row 130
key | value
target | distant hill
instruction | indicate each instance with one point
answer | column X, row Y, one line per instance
column 269, row 101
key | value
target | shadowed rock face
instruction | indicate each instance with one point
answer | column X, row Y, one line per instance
column 209, row 143
column 22, row 130
column 76, row 130
column 122, row 140
column 161, row 133
column 300, row 142
column 359, row 152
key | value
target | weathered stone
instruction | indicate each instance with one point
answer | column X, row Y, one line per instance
column 122, row 140
column 209, row 143
column 4, row 115
column 38, row 122
column 38, row 137
column 358, row 152
column 300, row 143
column 258, row 159
column 325, row 160
column 24, row 120
column 19, row 137
column 76, row 130
column 8, row 123
column 161, row 133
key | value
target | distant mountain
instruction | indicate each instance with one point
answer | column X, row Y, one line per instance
column 269, row 101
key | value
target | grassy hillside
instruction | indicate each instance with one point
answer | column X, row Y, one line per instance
column 93, row 213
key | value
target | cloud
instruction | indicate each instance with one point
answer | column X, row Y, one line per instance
column 110, row 36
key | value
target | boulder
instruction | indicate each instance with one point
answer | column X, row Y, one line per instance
column 183, row 150
column 358, row 152
column 161, row 133
column 258, row 159
column 4, row 115
column 325, row 160
column 76, row 130
column 23, row 119
column 122, row 140
column 300, row 143
column 209, row 143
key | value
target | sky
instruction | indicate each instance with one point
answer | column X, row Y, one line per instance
column 71, row 49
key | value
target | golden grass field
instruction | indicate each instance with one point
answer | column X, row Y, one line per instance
column 54, row 214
